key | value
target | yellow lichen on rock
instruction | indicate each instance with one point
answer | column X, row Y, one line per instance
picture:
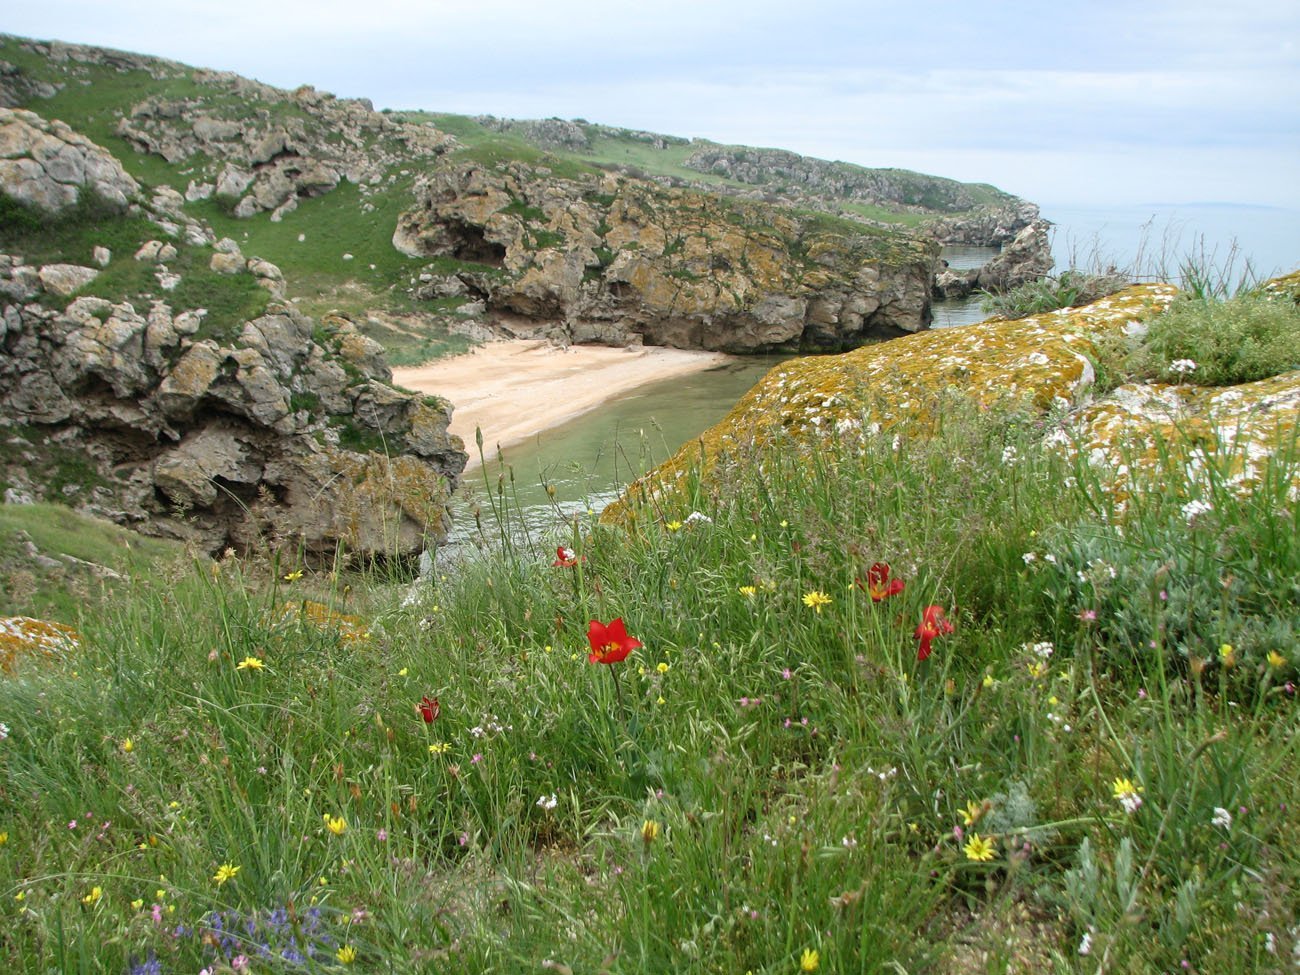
column 891, row 388
column 349, row 629
column 1142, row 432
column 23, row 636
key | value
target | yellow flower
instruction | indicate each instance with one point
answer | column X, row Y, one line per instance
column 335, row 824
column 749, row 591
column 1275, row 659
column 662, row 667
column 4, row 838
column 816, row 599
column 672, row 526
column 128, row 745
column 403, row 672
column 649, row 831
column 1036, row 669
column 93, row 897
column 989, row 680
column 1128, row 794
column 347, row 954
column 225, row 872
column 810, row 960
column 972, row 813
column 137, row 904
column 660, row 700
column 439, row 748
column 250, row 663
column 1227, row 655
column 979, row 849
column 293, row 576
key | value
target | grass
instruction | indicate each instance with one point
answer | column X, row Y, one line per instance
column 1093, row 769
column 86, row 546
column 72, row 236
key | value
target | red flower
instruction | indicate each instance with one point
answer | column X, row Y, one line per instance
column 879, row 585
column 933, row 624
column 565, row 558
column 609, row 644
column 429, row 709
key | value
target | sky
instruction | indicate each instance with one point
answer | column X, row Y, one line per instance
column 1075, row 103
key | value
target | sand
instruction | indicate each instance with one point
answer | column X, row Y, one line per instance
column 515, row 389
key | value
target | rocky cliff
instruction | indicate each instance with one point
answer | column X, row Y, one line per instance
column 169, row 385
column 608, row 258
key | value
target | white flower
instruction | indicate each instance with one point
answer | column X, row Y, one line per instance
column 695, row 516
column 1030, row 557
column 548, row 802
column 4, row 731
column 1182, row 366
column 1221, row 818
column 1010, row 456
column 1049, row 557
column 1194, row 509
column 1085, row 943
column 1041, row 650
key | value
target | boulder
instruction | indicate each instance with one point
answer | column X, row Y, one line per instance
column 49, row 166
column 66, row 279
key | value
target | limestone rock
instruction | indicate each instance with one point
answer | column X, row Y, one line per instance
column 624, row 260
column 49, row 166
column 280, row 429
column 1027, row 258
column 66, row 279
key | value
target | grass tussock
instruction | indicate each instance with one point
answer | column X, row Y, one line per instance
column 1093, row 765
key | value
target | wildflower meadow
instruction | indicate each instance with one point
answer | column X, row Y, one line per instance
column 908, row 705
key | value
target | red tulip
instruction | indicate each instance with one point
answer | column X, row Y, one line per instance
column 429, row 709
column 565, row 558
column 933, row 624
column 609, row 644
column 879, row 585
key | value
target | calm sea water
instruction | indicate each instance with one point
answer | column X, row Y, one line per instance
column 1158, row 238
column 590, row 458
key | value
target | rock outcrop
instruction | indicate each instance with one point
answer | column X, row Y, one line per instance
column 264, row 149
column 1027, row 258
column 617, row 260
column 283, row 430
column 47, row 165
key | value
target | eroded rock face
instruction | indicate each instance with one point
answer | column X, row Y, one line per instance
column 47, row 165
column 283, row 431
column 1027, row 257
column 617, row 260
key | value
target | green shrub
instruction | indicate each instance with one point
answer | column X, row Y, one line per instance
column 1069, row 289
column 1235, row 340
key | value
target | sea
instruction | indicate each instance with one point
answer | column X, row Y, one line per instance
column 1236, row 243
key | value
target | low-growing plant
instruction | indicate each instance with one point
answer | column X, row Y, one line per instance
column 1219, row 341
column 1069, row 289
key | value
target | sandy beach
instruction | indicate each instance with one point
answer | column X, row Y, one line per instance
column 514, row 389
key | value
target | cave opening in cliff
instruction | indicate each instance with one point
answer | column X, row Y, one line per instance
column 472, row 246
